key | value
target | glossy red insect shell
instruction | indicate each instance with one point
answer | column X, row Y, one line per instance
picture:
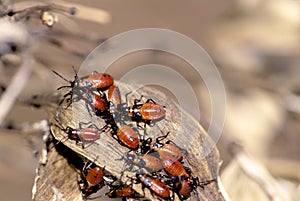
column 93, row 176
column 99, row 102
column 149, row 111
column 96, row 81
column 147, row 161
column 185, row 190
column 155, row 185
column 114, row 95
column 152, row 162
column 128, row 137
column 168, row 151
column 123, row 191
column 174, row 168
column 86, row 134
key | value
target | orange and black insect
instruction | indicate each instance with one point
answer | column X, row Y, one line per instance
column 183, row 183
column 123, row 192
column 127, row 136
column 94, row 81
column 166, row 150
column 175, row 168
column 124, row 134
column 156, row 186
column 183, row 186
column 115, row 104
column 81, row 86
column 81, row 135
column 147, row 161
column 114, row 95
column 98, row 81
column 148, row 112
column 182, row 180
column 91, row 179
column 95, row 101
column 98, row 101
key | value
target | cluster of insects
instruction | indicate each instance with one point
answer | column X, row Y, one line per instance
column 159, row 161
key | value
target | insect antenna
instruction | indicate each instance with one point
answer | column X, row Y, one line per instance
column 72, row 83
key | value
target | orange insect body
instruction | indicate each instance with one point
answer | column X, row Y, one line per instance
column 185, row 189
column 175, row 168
column 145, row 161
column 100, row 81
column 93, row 176
column 128, row 137
column 147, row 111
column 92, row 179
column 99, row 103
column 86, row 134
column 123, row 191
column 114, row 95
column 155, row 185
column 168, row 151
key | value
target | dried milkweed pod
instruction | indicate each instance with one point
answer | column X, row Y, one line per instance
column 184, row 130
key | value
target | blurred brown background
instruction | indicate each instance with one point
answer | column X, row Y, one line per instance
column 255, row 45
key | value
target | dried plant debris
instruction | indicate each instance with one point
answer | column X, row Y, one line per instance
column 45, row 12
column 80, row 11
column 106, row 152
column 57, row 178
column 246, row 178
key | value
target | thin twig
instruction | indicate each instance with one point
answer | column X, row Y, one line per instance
column 223, row 190
column 18, row 82
column 19, row 15
column 90, row 13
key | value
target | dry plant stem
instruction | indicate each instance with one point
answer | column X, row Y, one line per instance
column 89, row 13
column 19, row 15
column 18, row 82
column 85, row 12
column 292, row 103
column 44, row 154
column 258, row 173
column 223, row 190
column 43, row 158
column 284, row 168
